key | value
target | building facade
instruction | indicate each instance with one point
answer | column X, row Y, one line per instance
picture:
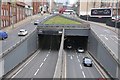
column 12, row 12
column 84, row 6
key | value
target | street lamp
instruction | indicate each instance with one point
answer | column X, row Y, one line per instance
column 116, row 21
column 87, row 10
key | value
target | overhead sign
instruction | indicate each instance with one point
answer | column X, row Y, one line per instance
column 101, row 12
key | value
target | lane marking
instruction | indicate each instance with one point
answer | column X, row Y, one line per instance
column 106, row 38
column 116, row 37
column 25, row 65
column 45, row 59
column 71, row 57
column 47, row 55
column 41, row 65
column 83, row 74
column 80, row 66
column 78, row 60
column 115, row 41
column 77, row 56
column 36, row 72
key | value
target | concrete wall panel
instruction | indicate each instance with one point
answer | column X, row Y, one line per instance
column 76, row 32
column 20, row 52
column 106, row 59
column 100, row 52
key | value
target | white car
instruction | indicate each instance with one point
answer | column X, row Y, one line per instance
column 36, row 22
column 22, row 32
column 80, row 50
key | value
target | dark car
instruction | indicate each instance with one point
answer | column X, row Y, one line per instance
column 87, row 62
column 3, row 35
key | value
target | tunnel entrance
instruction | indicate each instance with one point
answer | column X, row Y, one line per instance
column 74, row 42
column 47, row 42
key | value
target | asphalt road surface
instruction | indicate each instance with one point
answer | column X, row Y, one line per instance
column 75, row 68
column 43, row 63
column 13, row 37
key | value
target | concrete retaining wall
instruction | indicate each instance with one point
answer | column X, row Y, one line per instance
column 76, row 32
column 19, row 52
column 98, row 50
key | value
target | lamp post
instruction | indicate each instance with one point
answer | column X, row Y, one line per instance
column 87, row 10
column 116, row 21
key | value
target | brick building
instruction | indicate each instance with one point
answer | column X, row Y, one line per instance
column 39, row 6
column 11, row 13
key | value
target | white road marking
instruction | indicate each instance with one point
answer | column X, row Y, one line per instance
column 36, row 72
column 47, row 55
column 45, row 59
column 106, row 38
column 115, row 41
column 101, row 35
column 77, row 56
column 71, row 57
column 41, row 65
column 116, row 37
column 80, row 66
column 78, row 60
column 25, row 65
column 83, row 74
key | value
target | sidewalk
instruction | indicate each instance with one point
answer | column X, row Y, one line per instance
column 27, row 19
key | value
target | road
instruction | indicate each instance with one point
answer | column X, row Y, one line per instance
column 13, row 37
column 42, row 64
column 75, row 68
column 109, row 37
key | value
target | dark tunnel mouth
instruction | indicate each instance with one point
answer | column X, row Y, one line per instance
column 75, row 42
column 46, row 42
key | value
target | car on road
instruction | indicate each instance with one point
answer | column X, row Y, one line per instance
column 3, row 35
column 116, row 18
column 22, row 32
column 80, row 50
column 87, row 62
column 36, row 22
column 69, row 46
